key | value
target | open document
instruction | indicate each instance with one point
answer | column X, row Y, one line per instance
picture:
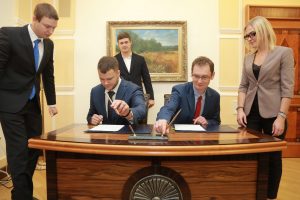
column 106, row 128
column 188, row 127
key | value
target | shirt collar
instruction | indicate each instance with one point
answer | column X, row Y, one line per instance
column 116, row 87
column 32, row 35
column 127, row 57
column 197, row 94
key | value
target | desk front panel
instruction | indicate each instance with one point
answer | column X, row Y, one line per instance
column 90, row 176
column 215, row 165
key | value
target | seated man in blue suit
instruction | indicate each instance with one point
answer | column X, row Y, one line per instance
column 115, row 100
column 199, row 103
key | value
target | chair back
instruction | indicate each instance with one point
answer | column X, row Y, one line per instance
column 145, row 120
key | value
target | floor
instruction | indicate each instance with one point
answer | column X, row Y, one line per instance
column 289, row 187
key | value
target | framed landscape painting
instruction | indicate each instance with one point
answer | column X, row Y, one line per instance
column 162, row 44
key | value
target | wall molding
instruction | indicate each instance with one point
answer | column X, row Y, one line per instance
column 64, row 88
column 231, row 36
column 230, row 31
column 229, row 94
column 65, row 32
column 228, row 88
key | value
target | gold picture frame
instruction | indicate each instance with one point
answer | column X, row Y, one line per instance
column 162, row 43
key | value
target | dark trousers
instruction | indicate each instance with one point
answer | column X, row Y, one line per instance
column 264, row 125
column 17, row 129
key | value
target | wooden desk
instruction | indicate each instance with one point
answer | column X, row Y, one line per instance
column 188, row 166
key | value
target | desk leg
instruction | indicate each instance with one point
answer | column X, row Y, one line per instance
column 51, row 174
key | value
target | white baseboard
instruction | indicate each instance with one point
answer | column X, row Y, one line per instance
column 3, row 161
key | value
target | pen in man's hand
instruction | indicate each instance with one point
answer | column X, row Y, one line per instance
column 109, row 99
column 130, row 127
column 172, row 121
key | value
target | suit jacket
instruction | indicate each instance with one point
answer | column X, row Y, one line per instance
column 183, row 98
column 17, row 69
column 275, row 80
column 138, row 72
column 128, row 92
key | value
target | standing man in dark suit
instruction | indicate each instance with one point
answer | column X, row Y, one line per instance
column 132, row 66
column 199, row 103
column 26, row 53
column 128, row 104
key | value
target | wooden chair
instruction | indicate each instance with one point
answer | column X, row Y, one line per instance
column 145, row 120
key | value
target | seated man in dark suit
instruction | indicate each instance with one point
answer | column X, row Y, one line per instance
column 199, row 103
column 115, row 100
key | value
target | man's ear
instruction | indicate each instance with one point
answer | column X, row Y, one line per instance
column 212, row 76
column 34, row 19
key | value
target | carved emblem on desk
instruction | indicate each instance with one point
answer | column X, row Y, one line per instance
column 156, row 187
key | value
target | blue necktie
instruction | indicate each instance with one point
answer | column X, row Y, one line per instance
column 36, row 61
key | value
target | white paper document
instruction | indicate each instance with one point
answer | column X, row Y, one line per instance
column 188, row 127
column 107, row 128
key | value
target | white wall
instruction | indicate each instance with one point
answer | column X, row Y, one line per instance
column 90, row 39
column 7, row 19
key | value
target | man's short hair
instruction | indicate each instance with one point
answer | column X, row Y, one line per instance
column 202, row 60
column 107, row 63
column 45, row 10
column 123, row 35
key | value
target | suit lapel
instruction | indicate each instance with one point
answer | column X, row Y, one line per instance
column 45, row 55
column 249, row 63
column 191, row 98
column 120, row 95
column 207, row 103
column 264, row 70
column 122, row 63
column 28, row 45
column 100, row 97
column 121, row 91
column 132, row 64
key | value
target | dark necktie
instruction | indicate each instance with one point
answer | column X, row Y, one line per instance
column 198, row 107
column 109, row 109
column 36, row 62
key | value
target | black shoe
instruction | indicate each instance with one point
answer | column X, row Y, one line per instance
column 34, row 198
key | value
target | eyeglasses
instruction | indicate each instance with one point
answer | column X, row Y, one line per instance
column 203, row 78
column 250, row 35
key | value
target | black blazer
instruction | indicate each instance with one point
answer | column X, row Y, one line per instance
column 138, row 72
column 17, row 69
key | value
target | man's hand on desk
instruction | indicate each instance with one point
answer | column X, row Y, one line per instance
column 161, row 126
column 200, row 120
column 96, row 119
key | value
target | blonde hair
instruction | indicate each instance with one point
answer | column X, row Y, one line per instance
column 265, row 35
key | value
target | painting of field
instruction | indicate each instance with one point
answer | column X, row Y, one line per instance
column 164, row 49
column 162, row 62
column 159, row 48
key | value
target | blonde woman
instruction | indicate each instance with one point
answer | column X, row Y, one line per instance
column 266, row 89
